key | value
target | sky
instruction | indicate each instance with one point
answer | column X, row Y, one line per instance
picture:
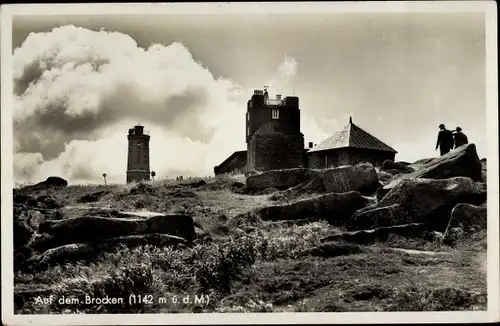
column 80, row 82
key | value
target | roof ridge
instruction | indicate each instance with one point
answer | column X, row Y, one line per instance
column 376, row 139
column 352, row 135
column 349, row 132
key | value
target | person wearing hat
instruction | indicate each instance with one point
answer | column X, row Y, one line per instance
column 460, row 138
column 445, row 140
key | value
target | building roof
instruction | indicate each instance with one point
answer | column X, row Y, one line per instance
column 237, row 153
column 352, row 136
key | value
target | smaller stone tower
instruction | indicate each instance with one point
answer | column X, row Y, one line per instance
column 138, row 154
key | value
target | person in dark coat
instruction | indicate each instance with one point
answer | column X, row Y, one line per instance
column 460, row 137
column 445, row 140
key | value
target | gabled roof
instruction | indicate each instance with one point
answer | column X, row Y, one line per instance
column 352, row 136
column 237, row 153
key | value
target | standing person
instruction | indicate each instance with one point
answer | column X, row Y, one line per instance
column 460, row 138
column 445, row 140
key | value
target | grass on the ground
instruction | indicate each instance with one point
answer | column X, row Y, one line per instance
column 257, row 266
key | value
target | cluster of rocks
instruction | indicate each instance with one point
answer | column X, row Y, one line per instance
column 49, row 233
column 44, row 237
column 51, row 182
column 428, row 196
column 425, row 199
column 362, row 178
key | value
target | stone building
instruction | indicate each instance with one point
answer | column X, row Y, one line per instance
column 274, row 141
column 350, row 146
column 138, row 154
column 236, row 163
column 273, row 136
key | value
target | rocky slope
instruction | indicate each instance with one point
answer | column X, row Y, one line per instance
column 293, row 240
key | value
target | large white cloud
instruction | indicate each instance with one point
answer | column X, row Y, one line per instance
column 78, row 91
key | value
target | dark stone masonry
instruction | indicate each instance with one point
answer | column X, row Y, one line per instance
column 275, row 151
column 274, row 141
column 138, row 154
column 350, row 146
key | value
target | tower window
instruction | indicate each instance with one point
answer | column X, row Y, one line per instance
column 248, row 116
column 248, row 131
column 276, row 114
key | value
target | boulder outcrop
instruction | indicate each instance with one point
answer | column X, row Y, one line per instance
column 85, row 211
column 398, row 166
column 366, row 237
column 361, row 177
column 88, row 251
column 420, row 200
column 484, row 172
column 373, row 217
column 336, row 208
column 85, row 229
column 469, row 217
column 279, row 179
column 51, row 182
column 22, row 233
column 462, row 162
column 24, row 201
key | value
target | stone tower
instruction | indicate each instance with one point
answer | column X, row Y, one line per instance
column 138, row 154
column 273, row 136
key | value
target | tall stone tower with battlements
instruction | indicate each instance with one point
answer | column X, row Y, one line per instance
column 273, row 136
column 138, row 154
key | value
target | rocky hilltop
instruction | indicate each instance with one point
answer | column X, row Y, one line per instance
column 351, row 238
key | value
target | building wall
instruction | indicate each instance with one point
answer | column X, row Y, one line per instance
column 258, row 113
column 281, row 148
column 275, row 151
column 376, row 158
column 347, row 156
column 137, row 176
column 305, row 158
column 313, row 160
column 138, row 158
column 236, row 164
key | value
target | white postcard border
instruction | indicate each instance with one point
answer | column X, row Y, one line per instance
column 486, row 7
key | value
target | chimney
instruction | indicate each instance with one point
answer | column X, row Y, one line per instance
column 310, row 144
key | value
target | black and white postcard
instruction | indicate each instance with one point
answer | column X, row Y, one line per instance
column 247, row 163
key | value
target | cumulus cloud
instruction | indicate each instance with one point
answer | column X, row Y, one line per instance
column 282, row 79
column 282, row 82
column 78, row 91
column 288, row 67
